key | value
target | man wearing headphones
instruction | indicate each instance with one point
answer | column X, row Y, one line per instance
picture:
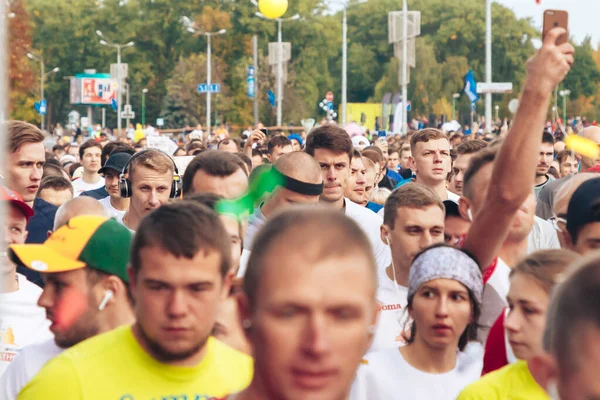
column 85, row 292
column 149, row 179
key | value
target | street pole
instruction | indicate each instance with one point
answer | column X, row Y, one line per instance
column 208, row 83
column 119, row 90
column 127, row 97
column 488, row 64
column 344, row 67
column 42, row 87
column 144, row 91
column 404, row 65
column 103, row 117
column 279, row 72
column 453, row 108
column 256, row 91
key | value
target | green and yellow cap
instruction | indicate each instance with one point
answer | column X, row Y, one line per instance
column 85, row 241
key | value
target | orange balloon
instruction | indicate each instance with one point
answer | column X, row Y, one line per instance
column 273, row 8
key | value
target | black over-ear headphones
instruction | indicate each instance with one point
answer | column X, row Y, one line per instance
column 125, row 184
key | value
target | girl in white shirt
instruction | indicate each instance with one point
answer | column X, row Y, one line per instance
column 438, row 360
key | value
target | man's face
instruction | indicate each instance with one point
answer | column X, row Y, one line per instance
column 61, row 289
column 588, row 239
column 111, row 183
column 56, row 197
column 278, row 151
column 230, row 187
column 460, row 166
column 335, row 168
column 546, row 157
column 594, row 136
column 370, row 184
column 233, row 227
column 296, row 145
column 150, row 189
column 91, row 159
column 431, row 161
column 230, row 147
column 355, row 188
column 393, row 161
column 25, row 170
column 15, row 233
column 568, row 166
column 454, row 228
column 310, row 324
column 383, row 146
column 414, row 230
column 176, row 301
column 74, row 151
column 405, row 158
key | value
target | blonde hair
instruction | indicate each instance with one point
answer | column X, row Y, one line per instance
column 380, row 195
column 152, row 159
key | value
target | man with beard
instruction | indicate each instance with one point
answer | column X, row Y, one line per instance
column 179, row 276
column 546, row 158
column 355, row 189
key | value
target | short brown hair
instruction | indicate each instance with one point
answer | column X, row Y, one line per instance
column 183, row 229
column 226, row 141
column 326, row 232
column 213, row 162
column 402, row 150
column 562, row 155
column 410, row 195
column 20, row 133
column 425, row 135
column 58, row 183
column 277, row 141
column 374, row 156
column 152, row 159
column 470, row 146
column 546, row 267
column 478, row 161
column 329, row 137
column 87, row 145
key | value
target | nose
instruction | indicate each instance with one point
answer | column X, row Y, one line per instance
column 316, row 342
column 46, row 299
column 153, row 199
column 426, row 240
column 437, row 158
column 36, row 173
column 511, row 321
column 176, row 305
column 441, row 308
column 331, row 175
column 458, row 177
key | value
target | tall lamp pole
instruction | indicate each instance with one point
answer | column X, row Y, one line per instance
column 564, row 93
column 280, row 21
column 106, row 42
column 488, row 64
column 43, row 75
column 344, row 67
column 144, row 91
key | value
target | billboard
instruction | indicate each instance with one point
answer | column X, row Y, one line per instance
column 93, row 90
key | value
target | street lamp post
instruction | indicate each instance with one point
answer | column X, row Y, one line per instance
column 497, row 108
column 144, row 106
column 454, row 97
column 280, row 21
column 43, row 75
column 565, row 93
column 344, row 67
column 105, row 42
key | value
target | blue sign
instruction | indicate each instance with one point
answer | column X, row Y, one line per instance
column 408, row 106
column 251, row 82
column 113, row 104
column 212, row 88
column 271, row 97
column 41, row 107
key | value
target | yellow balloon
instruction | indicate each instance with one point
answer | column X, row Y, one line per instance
column 583, row 146
column 273, row 8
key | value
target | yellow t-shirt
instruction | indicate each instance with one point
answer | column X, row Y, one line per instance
column 113, row 366
column 513, row 382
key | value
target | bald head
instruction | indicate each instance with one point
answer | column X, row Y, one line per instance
column 300, row 166
column 82, row 205
column 592, row 133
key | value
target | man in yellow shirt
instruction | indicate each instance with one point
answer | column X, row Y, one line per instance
column 178, row 277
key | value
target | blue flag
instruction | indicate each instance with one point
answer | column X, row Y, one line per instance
column 470, row 88
column 271, row 97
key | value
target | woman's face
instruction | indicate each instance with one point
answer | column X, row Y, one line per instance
column 524, row 324
column 442, row 311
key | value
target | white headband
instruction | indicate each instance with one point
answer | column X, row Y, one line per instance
column 445, row 262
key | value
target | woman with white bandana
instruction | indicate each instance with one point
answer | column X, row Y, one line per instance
column 439, row 359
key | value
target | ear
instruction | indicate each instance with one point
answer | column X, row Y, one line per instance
column 227, row 281
column 385, row 231
column 568, row 240
column 412, row 163
column 464, row 205
column 244, row 311
column 543, row 368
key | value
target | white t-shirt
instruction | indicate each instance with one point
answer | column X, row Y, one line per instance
column 543, row 236
column 385, row 375
column 494, row 299
column 22, row 321
column 453, row 196
column 114, row 213
column 390, row 324
column 80, row 186
column 371, row 225
column 119, row 219
column 25, row 366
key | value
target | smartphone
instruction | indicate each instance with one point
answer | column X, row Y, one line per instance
column 556, row 19
column 265, row 132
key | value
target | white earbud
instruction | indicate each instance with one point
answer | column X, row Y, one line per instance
column 387, row 240
column 470, row 215
column 107, row 296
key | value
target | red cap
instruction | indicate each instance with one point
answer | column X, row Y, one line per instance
column 8, row 195
column 593, row 169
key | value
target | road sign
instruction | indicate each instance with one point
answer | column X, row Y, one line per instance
column 212, row 88
column 250, row 81
column 160, row 122
column 494, row 87
column 127, row 113
column 113, row 104
column 114, row 71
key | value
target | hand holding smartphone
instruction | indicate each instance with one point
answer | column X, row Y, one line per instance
column 556, row 19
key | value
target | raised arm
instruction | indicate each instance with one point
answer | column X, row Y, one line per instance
column 514, row 168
